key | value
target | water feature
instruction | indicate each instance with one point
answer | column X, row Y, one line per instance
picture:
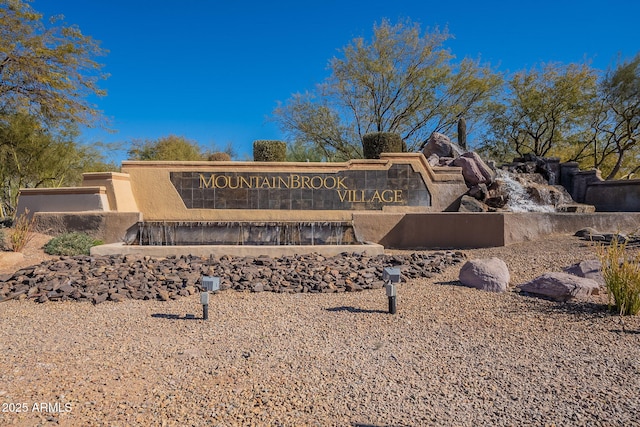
column 530, row 193
column 183, row 233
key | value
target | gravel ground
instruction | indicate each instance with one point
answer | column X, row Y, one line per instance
column 450, row 356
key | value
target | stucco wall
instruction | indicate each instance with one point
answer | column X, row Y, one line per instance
column 457, row 230
column 614, row 196
column 118, row 186
column 110, row 227
column 69, row 199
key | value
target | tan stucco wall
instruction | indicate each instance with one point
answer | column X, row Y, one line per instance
column 375, row 226
column 446, row 230
column 69, row 199
column 475, row 230
column 534, row 225
column 118, row 186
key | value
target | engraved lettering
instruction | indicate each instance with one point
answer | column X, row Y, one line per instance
column 265, row 182
column 376, row 197
column 282, row 182
column 244, row 183
column 326, row 185
column 387, row 199
column 204, row 183
column 230, row 179
column 319, row 183
column 217, row 181
column 341, row 182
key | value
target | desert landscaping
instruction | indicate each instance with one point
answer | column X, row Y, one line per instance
column 451, row 355
column 279, row 231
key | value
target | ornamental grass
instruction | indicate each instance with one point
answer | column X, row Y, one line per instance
column 621, row 272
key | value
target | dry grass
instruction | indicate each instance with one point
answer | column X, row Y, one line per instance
column 22, row 231
column 621, row 271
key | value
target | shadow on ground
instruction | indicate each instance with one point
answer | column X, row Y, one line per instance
column 355, row 310
column 452, row 283
column 175, row 316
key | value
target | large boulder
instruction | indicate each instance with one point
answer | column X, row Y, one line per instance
column 441, row 145
column 470, row 171
column 489, row 274
column 474, row 170
column 486, row 171
column 590, row 269
column 560, row 286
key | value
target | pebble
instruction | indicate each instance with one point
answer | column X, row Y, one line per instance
column 115, row 278
column 450, row 356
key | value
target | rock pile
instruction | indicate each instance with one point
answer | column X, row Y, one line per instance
column 593, row 235
column 529, row 183
column 114, row 278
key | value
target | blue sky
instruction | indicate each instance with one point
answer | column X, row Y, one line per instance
column 213, row 71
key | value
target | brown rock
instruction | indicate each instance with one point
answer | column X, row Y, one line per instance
column 560, row 286
column 98, row 299
column 489, row 274
column 163, row 294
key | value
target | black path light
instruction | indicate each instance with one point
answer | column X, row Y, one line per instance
column 391, row 275
column 210, row 284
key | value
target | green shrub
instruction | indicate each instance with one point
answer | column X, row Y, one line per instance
column 3, row 240
column 375, row 143
column 269, row 151
column 71, row 244
column 621, row 274
column 219, row 157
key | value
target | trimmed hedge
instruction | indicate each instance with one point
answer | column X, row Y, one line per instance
column 269, row 151
column 219, row 157
column 375, row 143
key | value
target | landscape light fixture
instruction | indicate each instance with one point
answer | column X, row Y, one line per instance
column 391, row 275
column 210, row 284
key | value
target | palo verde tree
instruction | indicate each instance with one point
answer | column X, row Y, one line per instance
column 48, row 71
column 615, row 132
column 175, row 148
column 32, row 156
column 573, row 112
column 171, row 147
column 543, row 111
column 401, row 81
